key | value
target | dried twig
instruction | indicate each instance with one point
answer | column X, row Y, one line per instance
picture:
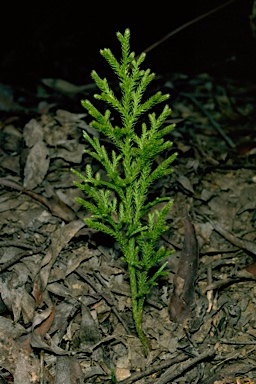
column 106, row 295
column 183, row 26
column 15, row 259
column 155, row 368
column 212, row 121
column 169, row 375
column 247, row 245
column 56, row 206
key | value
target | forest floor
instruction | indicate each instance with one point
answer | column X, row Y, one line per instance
column 65, row 309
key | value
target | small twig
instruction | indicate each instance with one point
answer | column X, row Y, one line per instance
column 154, row 368
column 183, row 26
column 247, row 245
column 226, row 167
column 221, row 283
column 233, row 342
column 169, row 375
column 15, row 259
column 107, row 296
column 212, row 121
column 172, row 243
column 21, row 244
column 56, row 206
column 210, row 292
column 42, row 366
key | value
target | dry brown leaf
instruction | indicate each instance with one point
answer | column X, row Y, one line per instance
column 15, row 295
column 33, row 133
column 66, row 87
column 24, row 368
column 37, row 293
column 37, row 165
column 74, row 156
column 122, row 373
column 43, row 321
column 59, row 239
column 182, row 297
column 68, row 371
column 185, row 182
column 89, row 331
column 39, row 337
column 76, row 258
column 62, row 313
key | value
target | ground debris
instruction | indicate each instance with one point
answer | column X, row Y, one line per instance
column 65, row 308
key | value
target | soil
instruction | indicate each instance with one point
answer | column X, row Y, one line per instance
column 65, row 305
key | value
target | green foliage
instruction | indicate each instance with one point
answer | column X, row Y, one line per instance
column 120, row 204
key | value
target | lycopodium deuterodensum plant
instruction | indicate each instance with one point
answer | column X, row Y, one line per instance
column 120, row 203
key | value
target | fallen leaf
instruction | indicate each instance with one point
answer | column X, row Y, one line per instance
column 43, row 320
column 37, row 165
column 182, row 297
column 68, row 370
column 33, row 133
column 59, row 239
column 185, row 182
column 89, row 331
column 25, row 368
column 66, row 87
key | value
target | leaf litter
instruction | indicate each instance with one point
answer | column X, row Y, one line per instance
column 65, row 305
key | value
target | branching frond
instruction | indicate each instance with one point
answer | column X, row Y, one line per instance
column 119, row 199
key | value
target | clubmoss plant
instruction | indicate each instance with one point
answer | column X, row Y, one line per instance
column 120, row 203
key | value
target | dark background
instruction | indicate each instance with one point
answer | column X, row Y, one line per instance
column 63, row 40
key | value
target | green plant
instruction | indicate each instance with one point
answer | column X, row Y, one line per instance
column 120, row 203
column 113, row 378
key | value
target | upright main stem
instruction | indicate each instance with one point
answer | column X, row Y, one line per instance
column 137, row 308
